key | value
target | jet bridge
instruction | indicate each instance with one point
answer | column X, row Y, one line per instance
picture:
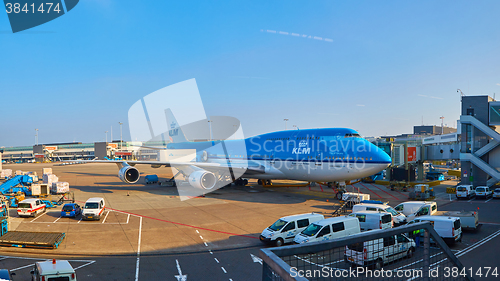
column 480, row 151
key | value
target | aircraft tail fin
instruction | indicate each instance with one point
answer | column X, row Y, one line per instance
column 175, row 133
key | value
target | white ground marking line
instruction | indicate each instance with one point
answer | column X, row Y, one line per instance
column 470, row 248
column 105, row 217
column 459, row 253
column 57, row 219
column 488, row 200
column 4, row 258
column 223, row 269
column 37, row 217
column 128, row 218
column 206, row 245
column 138, row 251
column 84, row 265
column 201, row 237
column 230, row 279
column 470, row 200
column 210, row 252
column 197, row 231
column 180, row 277
column 479, row 243
column 22, row 267
column 216, row 260
column 256, row 259
column 79, row 220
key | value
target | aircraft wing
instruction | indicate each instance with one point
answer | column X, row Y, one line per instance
column 251, row 169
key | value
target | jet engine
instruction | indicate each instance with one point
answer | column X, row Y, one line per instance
column 129, row 174
column 202, row 179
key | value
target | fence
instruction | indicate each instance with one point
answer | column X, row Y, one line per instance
column 411, row 252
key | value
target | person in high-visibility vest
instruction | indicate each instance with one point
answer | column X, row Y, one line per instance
column 416, row 235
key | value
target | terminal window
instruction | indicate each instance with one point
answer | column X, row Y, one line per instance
column 494, row 114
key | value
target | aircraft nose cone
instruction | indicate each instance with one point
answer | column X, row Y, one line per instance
column 385, row 157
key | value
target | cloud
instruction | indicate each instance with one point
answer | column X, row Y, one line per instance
column 422, row 96
column 360, row 105
column 297, row 35
column 498, row 84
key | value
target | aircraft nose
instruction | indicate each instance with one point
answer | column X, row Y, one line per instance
column 380, row 155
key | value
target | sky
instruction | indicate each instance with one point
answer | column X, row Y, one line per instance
column 379, row 67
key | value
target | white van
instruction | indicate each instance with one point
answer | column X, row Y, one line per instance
column 286, row 228
column 465, row 191
column 93, row 209
column 449, row 228
column 369, row 220
column 412, row 209
column 329, row 229
column 376, row 253
column 398, row 218
column 53, row 270
column 484, row 191
column 30, row 207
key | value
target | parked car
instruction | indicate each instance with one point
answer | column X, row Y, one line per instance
column 369, row 220
column 94, row 208
column 30, row 207
column 449, row 228
column 6, row 275
column 329, row 229
column 71, row 210
column 398, row 218
column 286, row 228
column 412, row 209
column 484, row 191
column 376, row 253
column 496, row 193
column 57, row 270
column 465, row 191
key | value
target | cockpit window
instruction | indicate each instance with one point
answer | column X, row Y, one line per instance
column 351, row 136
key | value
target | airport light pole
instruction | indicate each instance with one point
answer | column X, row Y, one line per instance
column 210, row 124
column 286, row 120
column 106, row 136
column 121, row 135
column 36, row 136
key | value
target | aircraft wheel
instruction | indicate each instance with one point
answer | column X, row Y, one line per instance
column 259, row 182
column 269, row 182
column 279, row 242
column 245, row 182
column 339, row 195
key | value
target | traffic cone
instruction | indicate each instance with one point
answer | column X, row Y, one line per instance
column 128, row 193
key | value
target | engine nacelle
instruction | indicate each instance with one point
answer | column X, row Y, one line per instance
column 202, row 179
column 129, row 174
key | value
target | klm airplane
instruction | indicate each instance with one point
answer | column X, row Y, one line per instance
column 314, row 155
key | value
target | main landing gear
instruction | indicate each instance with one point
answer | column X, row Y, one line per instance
column 241, row 182
column 264, row 182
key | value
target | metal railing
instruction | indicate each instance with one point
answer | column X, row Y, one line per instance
column 410, row 252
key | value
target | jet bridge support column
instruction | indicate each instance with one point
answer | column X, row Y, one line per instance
column 420, row 164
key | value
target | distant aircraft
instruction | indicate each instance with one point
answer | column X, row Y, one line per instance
column 314, row 155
